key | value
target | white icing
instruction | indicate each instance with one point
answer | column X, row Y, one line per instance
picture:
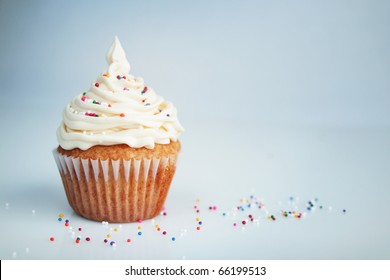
column 118, row 110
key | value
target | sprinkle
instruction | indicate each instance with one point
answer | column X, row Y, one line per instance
column 158, row 229
column 344, row 210
column 59, row 219
column 164, row 232
column 106, row 75
column 244, row 222
column 200, row 223
column 139, row 233
column 77, row 241
column 197, row 211
column 173, row 238
column 168, row 115
column 165, row 213
column 139, row 221
column 80, row 229
column 108, row 235
column 112, row 243
column 96, row 84
column 128, row 240
column 115, row 229
column 126, row 89
column 88, row 239
column 234, row 224
column 197, row 219
column 139, row 227
column 66, row 224
column 223, row 214
column 122, row 115
column 118, row 77
column 147, row 104
column 144, row 90
column 105, row 240
column 61, row 215
column 51, row 239
column 197, row 228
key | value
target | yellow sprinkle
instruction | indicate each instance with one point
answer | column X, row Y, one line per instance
column 197, row 219
column 156, row 226
column 115, row 229
column 139, row 227
column 198, row 200
column 108, row 235
column 61, row 215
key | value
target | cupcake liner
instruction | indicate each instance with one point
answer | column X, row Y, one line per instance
column 116, row 190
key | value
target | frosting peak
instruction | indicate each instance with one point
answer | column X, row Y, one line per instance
column 116, row 59
column 118, row 109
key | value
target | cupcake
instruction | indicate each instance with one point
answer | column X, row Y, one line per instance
column 118, row 146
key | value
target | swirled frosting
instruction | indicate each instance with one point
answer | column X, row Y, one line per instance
column 118, row 109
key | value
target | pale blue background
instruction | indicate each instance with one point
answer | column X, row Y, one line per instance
column 278, row 98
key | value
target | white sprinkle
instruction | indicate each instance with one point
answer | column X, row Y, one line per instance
column 27, row 250
column 330, row 208
column 14, row 254
column 33, row 212
column 120, row 226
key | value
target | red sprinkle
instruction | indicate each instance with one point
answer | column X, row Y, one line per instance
column 66, row 224
column 197, row 228
column 77, row 241
column 96, row 84
column 88, row 239
column 128, row 240
column 164, row 232
column 80, row 229
column 51, row 238
column 244, row 222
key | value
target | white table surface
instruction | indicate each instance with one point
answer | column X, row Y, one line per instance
column 344, row 168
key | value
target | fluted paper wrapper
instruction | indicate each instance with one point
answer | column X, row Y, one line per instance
column 116, row 190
